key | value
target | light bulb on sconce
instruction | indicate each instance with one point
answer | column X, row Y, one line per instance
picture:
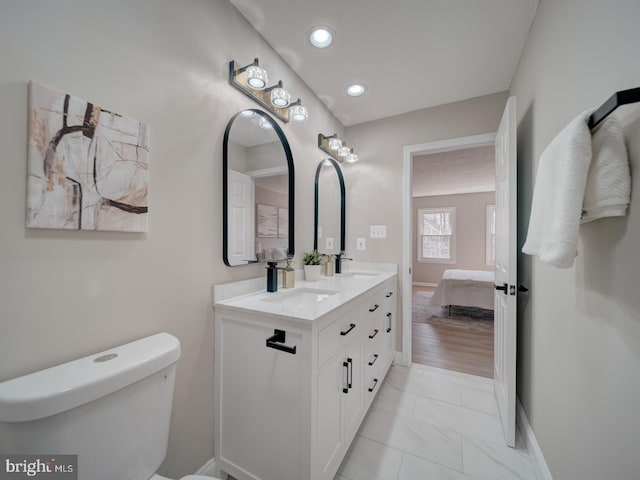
column 257, row 77
column 352, row 158
column 280, row 97
column 343, row 151
column 334, row 143
column 298, row 113
column 265, row 124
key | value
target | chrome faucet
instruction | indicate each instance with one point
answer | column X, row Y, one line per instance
column 339, row 259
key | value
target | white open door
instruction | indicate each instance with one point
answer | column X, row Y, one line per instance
column 505, row 294
column 240, row 218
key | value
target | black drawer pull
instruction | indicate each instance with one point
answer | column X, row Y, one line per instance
column 374, row 308
column 350, row 367
column 375, row 357
column 375, row 332
column 389, row 294
column 277, row 341
column 389, row 326
column 372, row 387
column 345, row 389
column 351, row 327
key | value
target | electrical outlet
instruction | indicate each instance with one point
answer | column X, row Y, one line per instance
column 361, row 243
column 329, row 244
column 378, row 231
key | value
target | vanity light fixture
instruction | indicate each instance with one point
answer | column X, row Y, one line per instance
column 321, row 36
column 336, row 148
column 252, row 80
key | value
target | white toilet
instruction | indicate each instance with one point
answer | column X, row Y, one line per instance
column 112, row 409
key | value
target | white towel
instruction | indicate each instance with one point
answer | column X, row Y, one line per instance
column 608, row 190
column 561, row 187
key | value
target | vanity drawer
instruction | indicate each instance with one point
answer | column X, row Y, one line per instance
column 336, row 335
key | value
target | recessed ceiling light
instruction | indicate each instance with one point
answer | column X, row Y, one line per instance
column 321, row 36
column 356, row 89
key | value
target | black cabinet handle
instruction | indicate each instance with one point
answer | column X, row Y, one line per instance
column 346, row 388
column 372, row 387
column 389, row 294
column 277, row 341
column 504, row 288
column 374, row 308
column 389, row 327
column 351, row 327
column 375, row 357
column 375, row 332
column 350, row 368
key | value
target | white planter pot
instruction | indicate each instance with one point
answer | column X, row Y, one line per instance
column 312, row 272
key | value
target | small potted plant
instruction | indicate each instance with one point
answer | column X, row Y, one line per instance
column 312, row 269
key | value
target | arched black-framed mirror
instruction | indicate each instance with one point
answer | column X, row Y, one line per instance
column 257, row 190
column 329, row 217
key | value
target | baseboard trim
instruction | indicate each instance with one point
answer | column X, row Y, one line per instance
column 424, row 284
column 208, row 468
column 535, row 452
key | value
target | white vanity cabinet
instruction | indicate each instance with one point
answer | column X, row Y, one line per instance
column 281, row 415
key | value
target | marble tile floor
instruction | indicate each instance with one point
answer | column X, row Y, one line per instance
column 433, row 424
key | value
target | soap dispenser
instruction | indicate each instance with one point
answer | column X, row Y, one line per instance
column 328, row 266
column 288, row 275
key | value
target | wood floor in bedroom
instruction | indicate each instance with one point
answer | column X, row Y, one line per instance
column 451, row 347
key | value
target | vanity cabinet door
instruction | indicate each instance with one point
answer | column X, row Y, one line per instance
column 340, row 406
column 332, row 382
column 261, row 401
column 353, row 401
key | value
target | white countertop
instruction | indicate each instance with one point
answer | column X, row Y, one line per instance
column 332, row 292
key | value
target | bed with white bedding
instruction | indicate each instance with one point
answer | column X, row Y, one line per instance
column 467, row 288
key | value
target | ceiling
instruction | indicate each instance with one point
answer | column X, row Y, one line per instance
column 411, row 54
column 460, row 171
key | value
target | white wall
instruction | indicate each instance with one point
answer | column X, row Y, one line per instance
column 579, row 332
column 68, row 294
column 471, row 234
column 374, row 185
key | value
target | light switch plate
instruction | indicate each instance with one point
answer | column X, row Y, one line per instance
column 378, row 231
column 329, row 244
column 361, row 243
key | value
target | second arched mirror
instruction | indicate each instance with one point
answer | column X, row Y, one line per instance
column 330, row 201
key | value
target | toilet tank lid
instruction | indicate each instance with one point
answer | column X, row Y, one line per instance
column 63, row 387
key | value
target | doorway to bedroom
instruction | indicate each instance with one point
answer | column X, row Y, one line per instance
column 453, row 220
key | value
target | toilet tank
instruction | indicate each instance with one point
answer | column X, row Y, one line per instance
column 112, row 409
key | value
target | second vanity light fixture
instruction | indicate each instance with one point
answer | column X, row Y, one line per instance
column 252, row 80
column 332, row 145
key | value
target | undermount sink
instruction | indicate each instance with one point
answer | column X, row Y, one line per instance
column 359, row 275
column 300, row 296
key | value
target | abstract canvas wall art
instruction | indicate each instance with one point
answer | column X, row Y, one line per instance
column 88, row 167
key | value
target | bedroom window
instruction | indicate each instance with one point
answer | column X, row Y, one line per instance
column 436, row 235
column 491, row 234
